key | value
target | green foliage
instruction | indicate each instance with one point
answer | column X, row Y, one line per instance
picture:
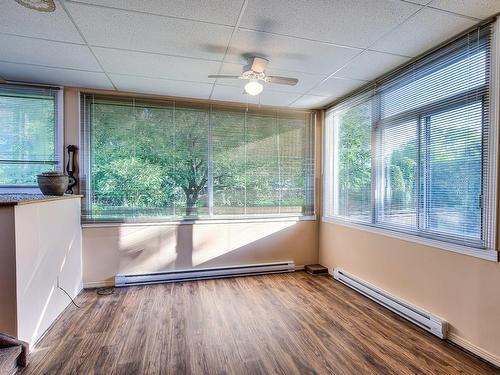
column 354, row 160
column 127, row 179
column 155, row 161
column 450, row 174
column 402, row 170
column 27, row 132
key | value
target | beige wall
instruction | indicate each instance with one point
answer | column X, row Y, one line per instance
column 108, row 251
column 461, row 289
column 128, row 249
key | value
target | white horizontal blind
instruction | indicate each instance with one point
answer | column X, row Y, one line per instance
column 166, row 160
column 28, row 134
column 429, row 168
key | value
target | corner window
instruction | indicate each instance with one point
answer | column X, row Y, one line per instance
column 29, row 135
column 147, row 160
column 414, row 153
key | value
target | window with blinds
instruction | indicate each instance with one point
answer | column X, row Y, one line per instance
column 170, row 160
column 415, row 151
column 28, row 135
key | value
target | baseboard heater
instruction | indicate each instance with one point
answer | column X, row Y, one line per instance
column 421, row 318
column 204, row 273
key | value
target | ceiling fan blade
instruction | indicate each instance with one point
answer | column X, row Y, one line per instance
column 258, row 64
column 222, row 76
column 282, row 80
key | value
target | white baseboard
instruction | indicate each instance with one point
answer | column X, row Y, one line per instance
column 463, row 343
column 111, row 283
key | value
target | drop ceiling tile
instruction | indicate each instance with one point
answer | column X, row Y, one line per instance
column 153, row 65
column 267, row 97
column 312, row 102
column 356, row 23
column 161, row 86
column 370, row 65
column 217, row 11
column 289, row 53
column 148, row 33
column 306, row 81
column 423, row 32
column 48, row 53
column 474, row 8
column 419, row 2
column 336, row 87
column 53, row 76
column 16, row 19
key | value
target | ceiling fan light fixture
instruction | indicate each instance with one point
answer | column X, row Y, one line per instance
column 39, row 5
column 254, row 88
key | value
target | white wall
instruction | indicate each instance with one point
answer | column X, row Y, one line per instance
column 48, row 254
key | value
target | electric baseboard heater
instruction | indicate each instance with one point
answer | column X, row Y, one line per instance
column 204, row 273
column 421, row 318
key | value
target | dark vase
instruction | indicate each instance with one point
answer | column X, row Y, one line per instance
column 53, row 183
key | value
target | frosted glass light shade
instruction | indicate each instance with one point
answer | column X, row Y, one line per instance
column 253, row 88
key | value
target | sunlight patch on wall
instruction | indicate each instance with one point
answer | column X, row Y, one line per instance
column 209, row 244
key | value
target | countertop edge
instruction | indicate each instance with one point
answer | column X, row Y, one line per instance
column 41, row 200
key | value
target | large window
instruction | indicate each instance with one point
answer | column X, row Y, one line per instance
column 414, row 152
column 28, row 135
column 158, row 160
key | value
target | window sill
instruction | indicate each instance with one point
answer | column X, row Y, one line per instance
column 487, row 254
column 201, row 221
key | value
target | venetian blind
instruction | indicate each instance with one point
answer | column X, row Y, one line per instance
column 415, row 154
column 28, row 134
column 160, row 160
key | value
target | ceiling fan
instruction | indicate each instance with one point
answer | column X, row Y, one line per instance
column 254, row 72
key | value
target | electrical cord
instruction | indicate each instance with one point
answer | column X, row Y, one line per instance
column 71, row 298
column 105, row 291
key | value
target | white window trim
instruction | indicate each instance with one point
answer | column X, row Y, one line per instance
column 275, row 219
column 487, row 254
column 490, row 253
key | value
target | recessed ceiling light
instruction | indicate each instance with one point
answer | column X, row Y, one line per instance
column 39, row 5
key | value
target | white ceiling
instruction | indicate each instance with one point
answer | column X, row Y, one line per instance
column 168, row 47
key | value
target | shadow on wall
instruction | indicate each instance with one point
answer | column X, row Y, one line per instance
column 142, row 249
column 184, row 247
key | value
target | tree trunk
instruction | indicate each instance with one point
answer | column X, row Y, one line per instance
column 191, row 199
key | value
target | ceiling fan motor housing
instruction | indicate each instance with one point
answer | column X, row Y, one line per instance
column 251, row 75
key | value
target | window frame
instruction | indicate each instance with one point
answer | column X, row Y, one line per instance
column 58, row 162
column 85, row 160
column 488, row 249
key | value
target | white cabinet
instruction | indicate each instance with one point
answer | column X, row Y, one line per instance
column 42, row 243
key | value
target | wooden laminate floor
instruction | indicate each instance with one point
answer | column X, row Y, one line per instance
column 277, row 324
